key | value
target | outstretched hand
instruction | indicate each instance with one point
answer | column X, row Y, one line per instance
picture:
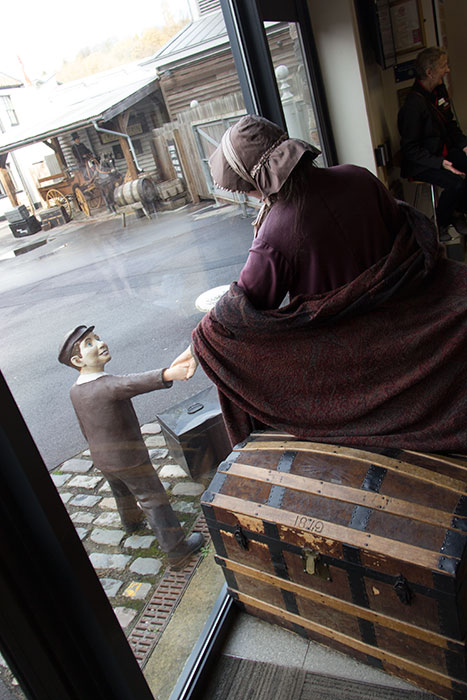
column 187, row 361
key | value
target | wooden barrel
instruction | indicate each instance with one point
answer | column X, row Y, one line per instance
column 140, row 190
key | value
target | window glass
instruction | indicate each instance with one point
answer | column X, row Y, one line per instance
column 124, row 229
column 292, row 81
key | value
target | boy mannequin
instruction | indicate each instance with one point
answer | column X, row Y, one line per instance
column 108, row 421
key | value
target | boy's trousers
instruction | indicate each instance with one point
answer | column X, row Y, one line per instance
column 141, row 485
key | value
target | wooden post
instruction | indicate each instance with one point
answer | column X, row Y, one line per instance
column 7, row 182
column 54, row 144
column 165, row 166
column 190, row 183
column 132, row 172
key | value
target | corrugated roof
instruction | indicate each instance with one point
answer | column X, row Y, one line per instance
column 6, row 81
column 71, row 105
column 203, row 34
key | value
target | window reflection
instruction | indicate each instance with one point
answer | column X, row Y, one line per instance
column 292, row 82
column 136, row 275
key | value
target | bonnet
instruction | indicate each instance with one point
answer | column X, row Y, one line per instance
column 256, row 154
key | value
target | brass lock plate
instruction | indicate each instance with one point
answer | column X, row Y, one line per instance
column 314, row 565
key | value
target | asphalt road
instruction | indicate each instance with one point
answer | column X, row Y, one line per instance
column 137, row 285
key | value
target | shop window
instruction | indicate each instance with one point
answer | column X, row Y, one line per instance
column 7, row 108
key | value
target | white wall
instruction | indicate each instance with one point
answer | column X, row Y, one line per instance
column 362, row 97
column 334, row 28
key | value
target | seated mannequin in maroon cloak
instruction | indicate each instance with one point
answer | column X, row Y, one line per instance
column 103, row 406
column 369, row 348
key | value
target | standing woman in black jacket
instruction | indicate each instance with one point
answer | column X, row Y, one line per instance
column 433, row 147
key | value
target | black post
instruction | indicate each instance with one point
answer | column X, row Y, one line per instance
column 252, row 59
column 244, row 20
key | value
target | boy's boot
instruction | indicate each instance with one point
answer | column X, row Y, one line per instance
column 191, row 544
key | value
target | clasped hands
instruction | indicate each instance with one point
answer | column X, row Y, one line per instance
column 185, row 364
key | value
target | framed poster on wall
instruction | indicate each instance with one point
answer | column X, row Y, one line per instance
column 407, row 25
column 374, row 17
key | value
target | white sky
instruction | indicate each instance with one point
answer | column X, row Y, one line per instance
column 43, row 35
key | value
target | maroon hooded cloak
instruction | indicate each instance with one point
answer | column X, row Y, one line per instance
column 378, row 362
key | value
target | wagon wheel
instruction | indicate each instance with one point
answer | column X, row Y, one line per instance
column 55, row 198
column 95, row 199
column 82, row 201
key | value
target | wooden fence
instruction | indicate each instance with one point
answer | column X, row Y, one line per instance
column 181, row 134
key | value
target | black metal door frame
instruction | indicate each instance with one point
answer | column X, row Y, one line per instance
column 244, row 20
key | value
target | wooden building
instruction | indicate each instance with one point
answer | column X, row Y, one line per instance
column 200, row 85
column 113, row 112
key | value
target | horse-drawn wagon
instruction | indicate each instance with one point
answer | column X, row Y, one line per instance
column 87, row 187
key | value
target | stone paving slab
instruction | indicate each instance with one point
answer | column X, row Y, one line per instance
column 83, row 517
column 155, row 441
column 184, row 507
column 125, row 615
column 76, row 465
column 102, row 536
column 146, row 565
column 82, row 532
column 139, row 541
column 151, row 428
column 160, row 453
column 137, row 590
column 84, row 482
column 60, row 479
column 108, row 519
column 173, row 471
column 108, row 503
column 84, row 500
column 100, row 560
column 189, row 488
column 111, row 586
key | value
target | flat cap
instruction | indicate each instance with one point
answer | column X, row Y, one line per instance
column 72, row 337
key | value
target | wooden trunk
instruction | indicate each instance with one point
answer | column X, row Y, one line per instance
column 360, row 550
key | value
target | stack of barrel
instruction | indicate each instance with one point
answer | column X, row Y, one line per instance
column 140, row 191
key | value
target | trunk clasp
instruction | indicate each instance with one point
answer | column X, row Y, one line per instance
column 314, row 565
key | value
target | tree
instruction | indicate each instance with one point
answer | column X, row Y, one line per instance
column 112, row 52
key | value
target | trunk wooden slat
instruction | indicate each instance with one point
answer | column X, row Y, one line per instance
column 361, row 550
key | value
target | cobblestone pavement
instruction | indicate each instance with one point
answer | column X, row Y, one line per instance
column 133, row 571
